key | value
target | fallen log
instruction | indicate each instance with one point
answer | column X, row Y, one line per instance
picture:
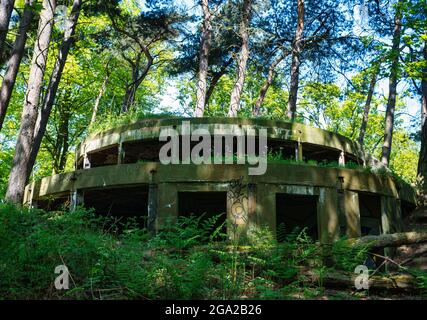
column 414, row 256
column 390, row 240
column 341, row 279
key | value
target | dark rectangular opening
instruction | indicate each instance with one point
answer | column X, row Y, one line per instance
column 296, row 212
column 319, row 153
column 121, row 203
column 282, row 149
column 406, row 208
column 354, row 159
column 54, row 202
column 222, row 154
column 105, row 157
column 143, row 150
column 370, row 224
column 208, row 203
column 370, row 214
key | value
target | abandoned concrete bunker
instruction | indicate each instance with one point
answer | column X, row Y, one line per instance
column 315, row 179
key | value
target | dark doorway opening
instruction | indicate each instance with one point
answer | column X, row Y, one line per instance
column 370, row 224
column 121, row 204
column 208, row 203
column 407, row 208
column 370, row 214
column 296, row 212
column 54, row 203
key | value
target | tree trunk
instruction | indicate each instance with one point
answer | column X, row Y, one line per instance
column 6, row 8
column 215, row 78
column 98, row 100
column 422, row 162
column 137, row 79
column 15, row 60
column 391, row 103
column 389, row 240
column 341, row 279
column 54, row 81
column 128, row 99
column 243, row 59
column 296, row 61
column 18, row 175
column 205, row 46
column 367, row 108
column 257, row 108
column 60, row 158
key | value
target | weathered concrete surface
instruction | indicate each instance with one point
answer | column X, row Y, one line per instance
column 150, row 129
column 237, row 208
column 388, row 214
column 352, row 213
column 251, row 200
column 327, row 215
column 137, row 173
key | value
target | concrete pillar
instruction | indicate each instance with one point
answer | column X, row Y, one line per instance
column 399, row 219
column 341, row 159
column 86, row 162
column 167, row 204
column 237, row 209
column 76, row 199
column 328, row 222
column 76, row 160
column 120, row 154
column 341, row 212
column 252, row 213
column 266, row 206
column 29, row 195
column 388, row 220
column 388, row 212
column 298, row 151
column 352, row 214
column 152, row 207
column 327, row 215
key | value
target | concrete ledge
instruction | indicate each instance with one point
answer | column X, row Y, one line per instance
column 277, row 174
column 280, row 130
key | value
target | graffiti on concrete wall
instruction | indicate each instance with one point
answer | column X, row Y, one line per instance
column 237, row 201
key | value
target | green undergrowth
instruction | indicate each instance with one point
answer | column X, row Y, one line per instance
column 278, row 157
column 111, row 121
column 189, row 259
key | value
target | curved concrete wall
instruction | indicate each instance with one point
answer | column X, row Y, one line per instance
column 260, row 191
column 251, row 200
column 280, row 130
